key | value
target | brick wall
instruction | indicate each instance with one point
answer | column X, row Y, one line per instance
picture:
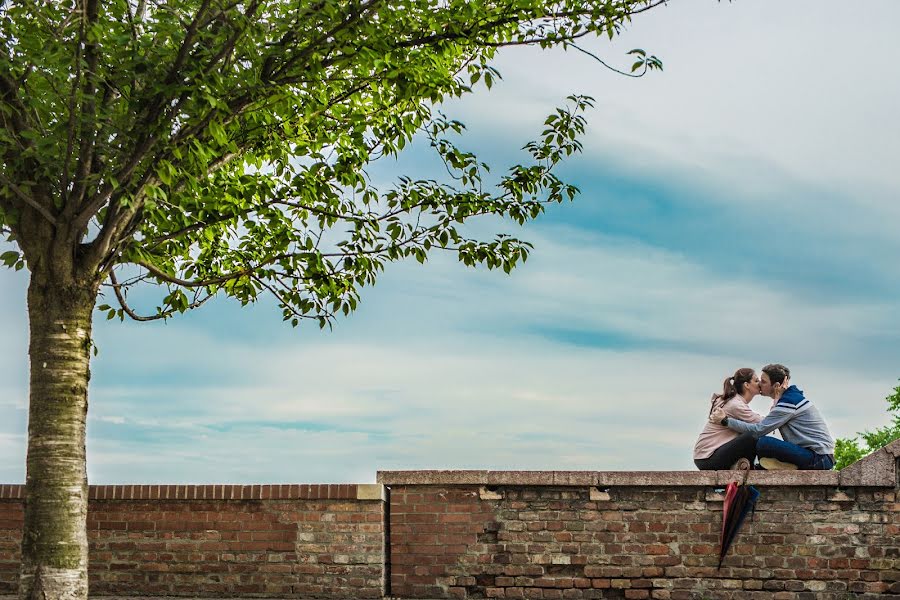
column 495, row 534
column 632, row 542
column 310, row 541
column 481, row 534
column 11, row 517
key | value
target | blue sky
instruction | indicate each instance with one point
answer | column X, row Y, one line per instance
column 737, row 209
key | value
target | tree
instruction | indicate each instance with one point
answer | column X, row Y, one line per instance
column 847, row 450
column 220, row 147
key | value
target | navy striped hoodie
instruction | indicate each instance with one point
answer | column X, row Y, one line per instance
column 798, row 421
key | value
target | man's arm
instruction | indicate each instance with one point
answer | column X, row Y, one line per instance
column 742, row 412
column 777, row 417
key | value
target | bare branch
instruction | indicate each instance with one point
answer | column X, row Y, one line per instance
column 70, row 130
column 87, row 116
column 185, row 48
column 139, row 11
column 120, row 297
column 9, row 92
column 155, row 242
column 281, row 300
column 607, row 65
column 29, row 200
column 105, row 193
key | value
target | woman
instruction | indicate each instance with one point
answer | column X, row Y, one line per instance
column 718, row 447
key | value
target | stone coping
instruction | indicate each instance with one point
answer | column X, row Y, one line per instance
column 879, row 469
column 607, row 478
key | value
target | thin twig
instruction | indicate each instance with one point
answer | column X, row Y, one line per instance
column 607, row 65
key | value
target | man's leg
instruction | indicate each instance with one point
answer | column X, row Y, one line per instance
column 771, row 447
column 825, row 462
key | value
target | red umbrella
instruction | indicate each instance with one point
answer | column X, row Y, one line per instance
column 740, row 499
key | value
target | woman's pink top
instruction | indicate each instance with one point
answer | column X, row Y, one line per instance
column 714, row 435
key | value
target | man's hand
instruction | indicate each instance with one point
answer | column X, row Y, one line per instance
column 717, row 415
column 778, row 389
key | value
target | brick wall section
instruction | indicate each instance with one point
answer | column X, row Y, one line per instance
column 11, row 518
column 557, row 535
column 306, row 541
column 633, row 542
column 495, row 534
column 436, row 536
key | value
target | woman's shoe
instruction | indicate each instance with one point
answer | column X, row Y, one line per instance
column 742, row 464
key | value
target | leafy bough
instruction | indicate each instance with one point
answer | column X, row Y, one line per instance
column 293, row 214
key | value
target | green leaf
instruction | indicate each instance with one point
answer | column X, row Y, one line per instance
column 9, row 258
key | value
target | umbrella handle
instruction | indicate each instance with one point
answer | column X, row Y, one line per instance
column 746, row 472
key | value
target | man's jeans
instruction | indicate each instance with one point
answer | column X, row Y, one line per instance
column 771, row 447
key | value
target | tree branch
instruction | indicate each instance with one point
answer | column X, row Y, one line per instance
column 88, row 113
column 185, row 48
column 149, row 140
column 609, row 66
column 28, row 200
column 197, row 226
column 70, row 129
column 163, row 276
column 116, row 286
column 9, row 92
column 466, row 34
column 316, row 45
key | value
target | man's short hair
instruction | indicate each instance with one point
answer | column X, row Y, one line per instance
column 777, row 373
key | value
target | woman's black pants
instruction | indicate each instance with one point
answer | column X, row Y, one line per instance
column 743, row 446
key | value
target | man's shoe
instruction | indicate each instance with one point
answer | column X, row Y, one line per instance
column 742, row 464
column 773, row 464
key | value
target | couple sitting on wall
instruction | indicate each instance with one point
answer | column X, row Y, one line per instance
column 735, row 432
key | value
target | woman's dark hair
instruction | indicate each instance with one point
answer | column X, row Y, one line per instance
column 734, row 385
column 777, row 373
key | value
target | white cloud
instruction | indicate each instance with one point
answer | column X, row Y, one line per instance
column 113, row 419
column 799, row 89
column 12, row 449
column 435, row 377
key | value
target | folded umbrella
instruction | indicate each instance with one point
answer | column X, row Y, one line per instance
column 740, row 499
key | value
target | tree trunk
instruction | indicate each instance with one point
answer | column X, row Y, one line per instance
column 54, row 544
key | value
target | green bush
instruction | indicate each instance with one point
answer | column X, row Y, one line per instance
column 848, row 450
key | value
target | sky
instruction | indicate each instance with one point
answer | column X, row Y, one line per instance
column 737, row 209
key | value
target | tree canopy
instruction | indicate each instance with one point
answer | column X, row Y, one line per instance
column 221, row 147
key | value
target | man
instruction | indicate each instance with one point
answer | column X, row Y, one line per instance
column 807, row 443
